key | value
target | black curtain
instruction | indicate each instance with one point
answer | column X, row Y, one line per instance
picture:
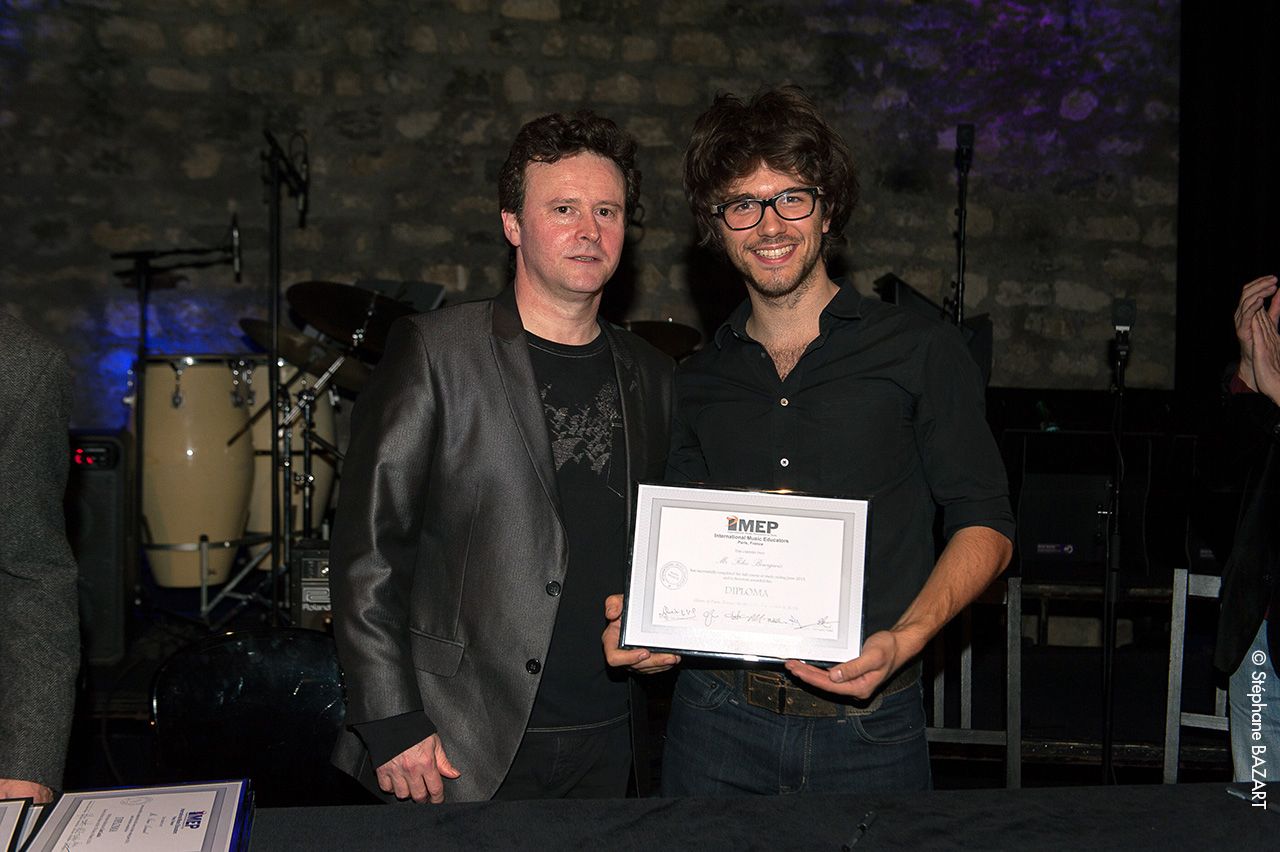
column 1228, row 176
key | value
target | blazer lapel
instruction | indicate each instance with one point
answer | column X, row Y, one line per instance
column 511, row 353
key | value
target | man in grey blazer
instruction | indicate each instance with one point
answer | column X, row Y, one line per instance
column 39, row 633
column 486, row 502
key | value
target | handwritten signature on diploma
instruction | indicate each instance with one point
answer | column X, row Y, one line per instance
column 825, row 624
column 755, row 617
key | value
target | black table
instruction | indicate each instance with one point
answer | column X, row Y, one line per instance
column 1184, row 816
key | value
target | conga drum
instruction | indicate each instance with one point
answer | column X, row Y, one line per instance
column 193, row 482
column 323, row 468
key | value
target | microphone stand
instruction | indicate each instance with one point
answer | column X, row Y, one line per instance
column 278, row 173
column 1119, row 360
column 964, row 160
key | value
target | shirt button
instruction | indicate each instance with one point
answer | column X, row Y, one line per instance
column 533, row 666
column 784, row 402
column 553, row 588
column 784, row 462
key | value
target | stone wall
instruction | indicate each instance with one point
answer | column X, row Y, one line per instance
column 138, row 125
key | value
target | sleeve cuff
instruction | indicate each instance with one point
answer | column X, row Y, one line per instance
column 386, row 738
column 993, row 513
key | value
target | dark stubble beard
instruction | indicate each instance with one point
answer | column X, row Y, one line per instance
column 785, row 294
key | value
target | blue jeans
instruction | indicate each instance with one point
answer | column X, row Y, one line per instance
column 718, row 745
column 1254, row 697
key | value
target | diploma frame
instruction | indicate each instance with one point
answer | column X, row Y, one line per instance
column 226, row 821
column 762, row 576
column 12, row 815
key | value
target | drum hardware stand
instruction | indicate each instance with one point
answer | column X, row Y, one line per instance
column 203, row 547
column 279, row 173
column 320, row 441
column 285, row 440
column 307, row 399
column 305, row 408
column 144, row 277
column 285, row 454
column 285, row 513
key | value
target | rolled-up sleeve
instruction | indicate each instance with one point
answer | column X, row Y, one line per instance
column 961, row 461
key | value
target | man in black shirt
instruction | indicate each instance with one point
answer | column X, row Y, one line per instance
column 485, row 503
column 810, row 386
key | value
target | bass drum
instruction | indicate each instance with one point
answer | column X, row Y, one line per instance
column 193, row 482
column 323, row 469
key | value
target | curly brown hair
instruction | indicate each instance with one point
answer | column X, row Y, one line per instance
column 552, row 137
column 781, row 128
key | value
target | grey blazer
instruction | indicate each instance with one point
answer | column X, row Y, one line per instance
column 39, row 632
column 448, row 531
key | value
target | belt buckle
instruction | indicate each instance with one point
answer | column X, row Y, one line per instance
column 781, row 695
column 762, row 685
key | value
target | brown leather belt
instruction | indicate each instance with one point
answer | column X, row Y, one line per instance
column 778, row 693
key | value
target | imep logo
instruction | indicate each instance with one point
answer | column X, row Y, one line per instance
column 748, row 525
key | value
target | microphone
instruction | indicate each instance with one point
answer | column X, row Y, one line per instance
column 305, row 172
column 1123, row 314
column 236, row 264
column 964, row 147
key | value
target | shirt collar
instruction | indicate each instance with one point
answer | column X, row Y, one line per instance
column 845, row 305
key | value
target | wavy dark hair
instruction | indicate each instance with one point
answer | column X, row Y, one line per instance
column 781, row 128
column 552, row 137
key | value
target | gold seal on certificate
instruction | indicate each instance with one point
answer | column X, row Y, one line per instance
column 753, row 575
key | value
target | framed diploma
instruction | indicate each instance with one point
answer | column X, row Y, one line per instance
column 752, row 575
column 209, row 817
column 12, row 815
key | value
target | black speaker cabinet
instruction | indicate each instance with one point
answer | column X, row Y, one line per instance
column 99, row 511
column 1061, row 481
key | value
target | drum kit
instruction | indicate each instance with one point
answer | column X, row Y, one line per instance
column 207, row 462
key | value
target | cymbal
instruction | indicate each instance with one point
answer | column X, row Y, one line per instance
column 668, row 336
column 307, row 354
column 340, row 310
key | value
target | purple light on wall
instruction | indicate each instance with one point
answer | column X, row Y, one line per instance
column 1055, row 89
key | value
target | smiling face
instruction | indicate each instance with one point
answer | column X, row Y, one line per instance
column 777, row 257
column 569, row 236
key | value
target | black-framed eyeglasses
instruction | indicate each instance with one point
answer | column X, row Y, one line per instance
column 798, row 202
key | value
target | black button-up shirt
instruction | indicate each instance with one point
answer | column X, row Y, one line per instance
column 883, row 405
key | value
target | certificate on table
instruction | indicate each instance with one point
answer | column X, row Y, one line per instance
column 209, row 817
column 753, row 575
